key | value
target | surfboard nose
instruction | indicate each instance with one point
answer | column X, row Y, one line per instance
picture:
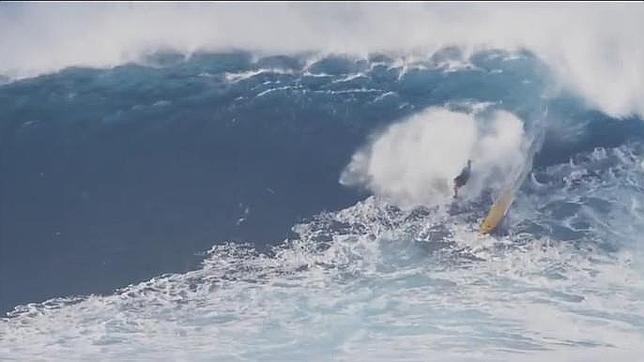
column 486, row 227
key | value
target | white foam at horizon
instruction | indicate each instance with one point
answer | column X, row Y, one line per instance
column 594, row 49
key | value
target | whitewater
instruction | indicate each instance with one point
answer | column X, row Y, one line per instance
column 199, row 203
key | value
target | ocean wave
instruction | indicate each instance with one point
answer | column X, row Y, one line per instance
column 114, row 176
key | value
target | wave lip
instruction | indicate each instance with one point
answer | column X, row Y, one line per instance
column 600, row 58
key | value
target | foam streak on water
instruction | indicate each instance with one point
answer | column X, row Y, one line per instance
column 373, row 282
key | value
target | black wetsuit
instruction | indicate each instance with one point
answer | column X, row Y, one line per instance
column 462, row 178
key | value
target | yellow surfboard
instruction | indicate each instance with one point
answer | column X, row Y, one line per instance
column 502, row 204
column 497, row 211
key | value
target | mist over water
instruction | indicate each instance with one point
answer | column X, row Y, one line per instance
column 240, row 187
column 413, row 163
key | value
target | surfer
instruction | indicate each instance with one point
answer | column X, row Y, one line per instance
column 462, row 178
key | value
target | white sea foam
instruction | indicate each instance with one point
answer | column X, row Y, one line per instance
column 414, row 162
column 374, row 282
